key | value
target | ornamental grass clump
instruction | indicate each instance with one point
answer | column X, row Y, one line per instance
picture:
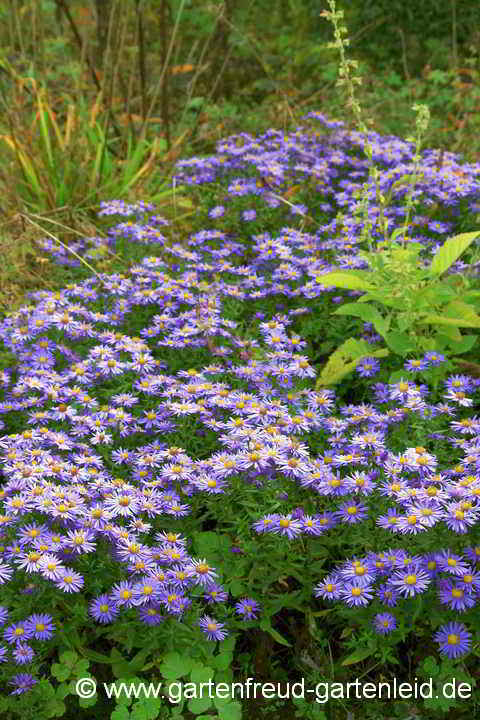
column 172, row 476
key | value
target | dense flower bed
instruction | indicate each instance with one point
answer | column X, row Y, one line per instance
column 78, row 481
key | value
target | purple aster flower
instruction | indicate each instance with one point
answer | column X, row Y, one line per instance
column 330, row 588
column 215, row 593
column 216, row 212
column 202, row 572
column 123, row 595
column 42, row 626
column 434, row 358
column 354, row 594
column 173, row 600
column 311, row 525
column 6, row 572
column 249, row 215
column 212, row 629
column 23, row 654
column 151, row 615
column 22, row 682
column 456, row 596
column 3, row 614
column 287, row 525
column 351, row 512
column 457, row 519
column 454, row 639
column 410, row 582
column 326, row 520
column 473, row 554
column 70, row 581
column 102, row 609
column 3, row 654
column 247, row 608
column 18, row 632
column 368, row 367
column 358, row 571
column 384, row 623
column 387, row 595
column 416, row 365
column 451, row 563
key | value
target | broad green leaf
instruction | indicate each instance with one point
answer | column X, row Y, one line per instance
column 231, row 711
column 199, row 704
column 348, row 280
column 432, row 295
column 266, row 626
column 137, row 662
column 146, row 709
column 55, row 709
column 457, row 308
column 452, row 334
column 228, row 644
column 366, row 312
column 209, row 543
column 399, row 342
column 175, row 665
column 345, row 359
column 404, row 321
column 201, row 673
column 120, row 713
column 358, row 656
column 384, row 298
column 451, row 251
column 69, row 658
column 222, row 661
column 444, row 320
column 466, row 344
column 236, row 588
column 86, row 702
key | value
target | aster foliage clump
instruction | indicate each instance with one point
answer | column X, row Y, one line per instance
column 144, row 402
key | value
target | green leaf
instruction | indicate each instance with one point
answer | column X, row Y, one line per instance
column 451, row 334
column 120, row 713
column 228, row 644
column 348, row 280
column 399, row 342
column 345, row 359
column 451, row 251
column 175, row 666
column 137, row 662
column 471, row 321
column 201, row 673
column 146, row 709
column 236, row 588
column 199, row 704
column 69, row 657
column 466, row 344
column 366, row 312
column 231, row 711
column 87, row 702
column 266, row 626
column 61, row 672
column 358, row 655
column 81, row 668
column 210, row 543
column 97, row 657
column 222, row 661
column 55, row 709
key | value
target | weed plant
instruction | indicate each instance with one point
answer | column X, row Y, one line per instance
column 183, row 502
